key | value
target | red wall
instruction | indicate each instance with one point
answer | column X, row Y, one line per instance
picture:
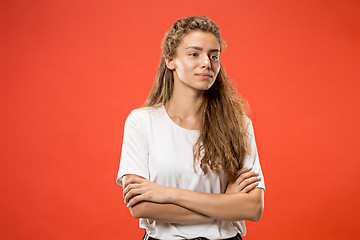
column 71, row 71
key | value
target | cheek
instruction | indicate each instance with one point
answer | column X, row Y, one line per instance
column 187, row 65
column 216, row 68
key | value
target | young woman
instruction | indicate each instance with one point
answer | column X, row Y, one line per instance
column 189, row 165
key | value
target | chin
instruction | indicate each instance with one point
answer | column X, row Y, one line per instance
column 203, row 88
column 208, row 86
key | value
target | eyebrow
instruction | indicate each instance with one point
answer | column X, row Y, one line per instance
column 200, row 49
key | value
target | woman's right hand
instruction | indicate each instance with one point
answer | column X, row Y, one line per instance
column 246, row 180
column 138, row 189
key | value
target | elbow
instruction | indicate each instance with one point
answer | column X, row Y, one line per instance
column 253, row 213
column 134, row 212
column 138, row 211
column 257, row 212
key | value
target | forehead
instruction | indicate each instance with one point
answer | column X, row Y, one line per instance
column 201, row 39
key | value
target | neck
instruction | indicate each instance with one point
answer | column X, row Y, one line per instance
column 184, row 107
column 185, row 103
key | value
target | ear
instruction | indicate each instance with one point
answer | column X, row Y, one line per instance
column 170, row 63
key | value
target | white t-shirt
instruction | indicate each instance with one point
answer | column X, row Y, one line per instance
column 156, row 148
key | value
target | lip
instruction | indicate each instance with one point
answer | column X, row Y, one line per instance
column 204, row 75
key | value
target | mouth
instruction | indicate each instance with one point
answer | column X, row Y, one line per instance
column 204, row 75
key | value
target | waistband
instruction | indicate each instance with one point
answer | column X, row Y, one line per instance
column 237, row 237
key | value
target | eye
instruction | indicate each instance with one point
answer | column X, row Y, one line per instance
column 193, row 54
column 214, row 57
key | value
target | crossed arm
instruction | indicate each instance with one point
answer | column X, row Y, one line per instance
column 241, row 201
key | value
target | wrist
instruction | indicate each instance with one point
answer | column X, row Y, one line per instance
column 173, row 192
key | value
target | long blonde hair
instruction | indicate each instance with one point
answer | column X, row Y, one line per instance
column 223, row 142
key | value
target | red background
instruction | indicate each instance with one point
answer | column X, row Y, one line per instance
column 71, row 71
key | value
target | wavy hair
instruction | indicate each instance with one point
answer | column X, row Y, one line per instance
column 223, row 142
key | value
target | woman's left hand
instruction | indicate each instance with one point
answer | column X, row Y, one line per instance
column 138, row 189
column 246, row 180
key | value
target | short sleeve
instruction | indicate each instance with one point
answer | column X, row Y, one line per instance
column 134, row 152
column 252, row 159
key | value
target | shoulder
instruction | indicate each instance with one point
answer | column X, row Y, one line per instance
column 247, row 123
column 143, row 114
column 247, row 120
column 248, row 126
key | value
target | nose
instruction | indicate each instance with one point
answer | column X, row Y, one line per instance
column 205, row 61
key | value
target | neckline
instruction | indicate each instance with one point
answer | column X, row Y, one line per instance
column 175, row 124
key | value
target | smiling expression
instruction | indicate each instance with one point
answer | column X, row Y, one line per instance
column 196, row 63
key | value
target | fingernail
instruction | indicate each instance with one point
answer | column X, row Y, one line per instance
column 249, row 168
column 259, row 177
column 256, row 172
column 127, row 205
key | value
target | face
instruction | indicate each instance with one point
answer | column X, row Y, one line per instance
column 196, row 63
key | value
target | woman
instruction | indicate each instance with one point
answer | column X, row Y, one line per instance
column 187, row 154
